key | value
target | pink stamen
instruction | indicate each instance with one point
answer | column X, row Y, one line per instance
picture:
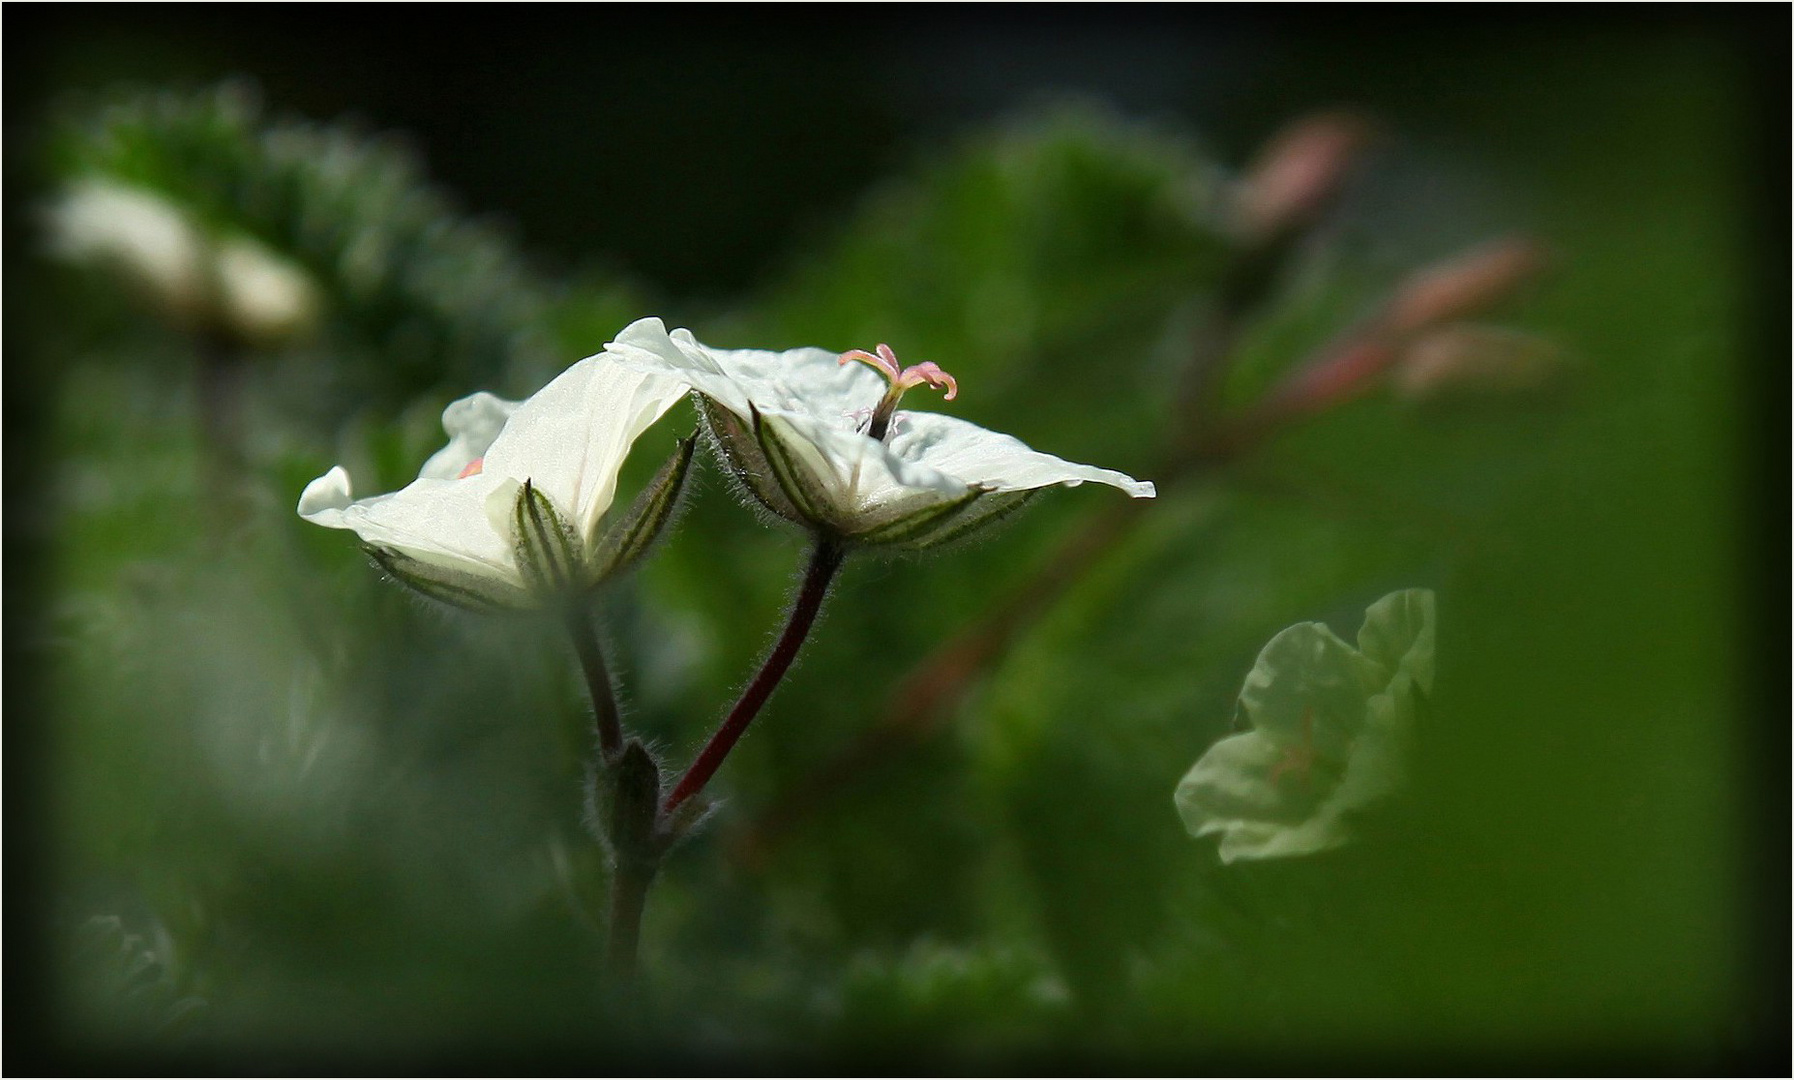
column 929, row 372
column 885, row 363
column 904, row 378
column 1298, row 759
column 473, row 468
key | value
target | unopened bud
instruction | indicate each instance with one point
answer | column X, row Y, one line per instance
column 263, row 297
column 1463, row 285
column 1465, row 361
column 198, row 282
column 1298, row 173
column 141, row 235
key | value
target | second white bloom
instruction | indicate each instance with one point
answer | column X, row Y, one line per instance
column 508, row 514
column 817, row 440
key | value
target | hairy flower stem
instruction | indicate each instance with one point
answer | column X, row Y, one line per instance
column 629, row 884
column 632, row 870
column 604, row 698
column 825, row 560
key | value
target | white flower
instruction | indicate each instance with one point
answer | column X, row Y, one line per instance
column 1331, row 726
column 509, row 511
column 817, row 439
column 232, row 283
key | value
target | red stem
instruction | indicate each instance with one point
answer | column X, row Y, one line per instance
column 825, row 559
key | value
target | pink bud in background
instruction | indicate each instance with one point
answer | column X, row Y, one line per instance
column 1464, row 361
column 1299, row 172
column 1463, row 285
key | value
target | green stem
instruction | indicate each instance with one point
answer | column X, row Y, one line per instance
column 605, row 716
column 629, row 885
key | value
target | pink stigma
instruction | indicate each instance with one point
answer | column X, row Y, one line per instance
column 902, row 378
column 473, row 468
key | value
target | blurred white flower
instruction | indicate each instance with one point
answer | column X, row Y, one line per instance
column 1330, row 732
column 508, row 514
column 197, row 280
column 816, row 438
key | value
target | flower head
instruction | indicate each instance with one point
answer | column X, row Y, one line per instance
column 1330, row 726
column 508, row 514
column 817, row 439
column 228, row 283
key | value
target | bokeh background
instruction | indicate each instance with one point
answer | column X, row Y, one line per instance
column 265, row 809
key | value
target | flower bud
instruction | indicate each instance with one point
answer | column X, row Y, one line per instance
column 626, row 803
column 232, row 286
column 1469, row 361
column 141, row 235
column 1298, row 173
column 1463, row 285
column 264, row 298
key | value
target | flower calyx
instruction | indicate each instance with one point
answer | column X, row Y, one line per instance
column 560, row 564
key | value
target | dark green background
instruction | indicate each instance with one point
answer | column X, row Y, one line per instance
column 1585, row 870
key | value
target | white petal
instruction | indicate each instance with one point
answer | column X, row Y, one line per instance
column 263, row 294
column 810, row 381
column 1309, row 686
column 441, row 522
column 1398, row 633
column 145, row 234
column 862, row 479
column 472, row 423
column 1233, row 781
column 332, row 491
column 645, row 346
column 571, row 438
column 975, row 455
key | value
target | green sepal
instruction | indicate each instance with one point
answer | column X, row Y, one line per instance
column 548, row 548
column 794, row 478
column 469, row 592
column 739, row 451
column 630, row 537
column 908, row 527
column 989, row 508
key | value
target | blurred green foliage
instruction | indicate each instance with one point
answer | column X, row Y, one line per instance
column 299, row 811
